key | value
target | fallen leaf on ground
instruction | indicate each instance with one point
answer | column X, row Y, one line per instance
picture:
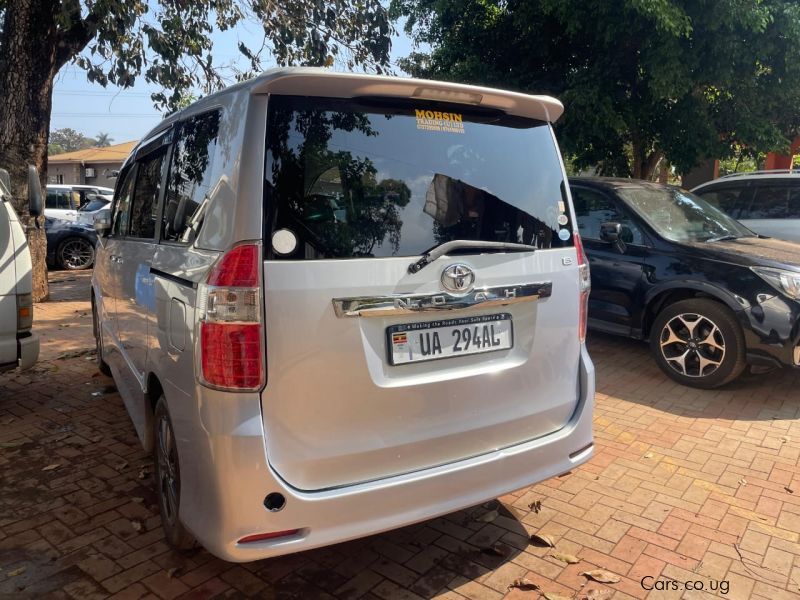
column 142, row 473
column 554, row 596
column 542, row 540
column 523, row 584
column 11, row 444
column 598, row 594
column 52, row 467
column 742, row 481
column 495, row 550
column 138, row 499
column 488, row 517
column 535, row 506
column 788, row 489
column 136, row 524
column 785, row 439
column 120, row 466
column 567, row 558
column 174, row 572
column 601, row 576
column 16, row 572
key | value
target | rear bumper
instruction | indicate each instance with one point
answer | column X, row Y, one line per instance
column 225, row 478
column 28, row 350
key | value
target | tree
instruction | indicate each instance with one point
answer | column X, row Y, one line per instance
column 69, row 140
column 683, row 80
column 166, row 42
column 103, row 140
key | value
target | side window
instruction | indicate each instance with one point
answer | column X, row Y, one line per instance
column 144, row 205
column 794, row 203
column 52, row 199
column 769, row 202
column 592, row 209
column 190, row 177
column 728, row 200
column 122, row 206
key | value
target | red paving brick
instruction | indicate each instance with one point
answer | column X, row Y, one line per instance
column 685, row 484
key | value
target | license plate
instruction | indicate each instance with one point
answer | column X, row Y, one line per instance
column 418, row 342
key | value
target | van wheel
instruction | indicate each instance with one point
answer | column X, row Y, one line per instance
column 102, row 365
column 168, row 479
column 698, row 343
column 75, row 254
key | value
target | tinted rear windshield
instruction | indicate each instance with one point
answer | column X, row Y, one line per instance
column 369, row 178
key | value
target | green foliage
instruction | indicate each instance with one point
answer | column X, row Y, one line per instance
column 103, row 139
column 68, row 140
column 640, row 79
column 169, row 43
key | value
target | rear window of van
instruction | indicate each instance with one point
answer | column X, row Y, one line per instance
column 379, row 178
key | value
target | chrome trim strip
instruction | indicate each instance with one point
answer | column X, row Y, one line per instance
column 409, row 304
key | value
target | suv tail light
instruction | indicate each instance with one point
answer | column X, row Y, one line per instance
column 231, row 332
column 585, row 284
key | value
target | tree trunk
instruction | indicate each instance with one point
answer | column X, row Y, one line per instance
column 28, row 64
column 645, row 161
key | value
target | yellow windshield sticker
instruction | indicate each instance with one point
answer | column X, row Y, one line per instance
column 435, row 120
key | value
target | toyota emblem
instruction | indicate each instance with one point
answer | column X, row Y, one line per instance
column 458, row 278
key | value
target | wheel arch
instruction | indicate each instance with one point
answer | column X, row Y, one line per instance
column 659, row 298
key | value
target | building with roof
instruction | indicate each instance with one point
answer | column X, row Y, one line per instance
column 92, row 166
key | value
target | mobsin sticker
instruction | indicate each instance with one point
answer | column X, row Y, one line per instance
column 434, row 120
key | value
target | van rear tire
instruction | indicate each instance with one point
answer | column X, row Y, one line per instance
column 168, row 479
column 102, row 365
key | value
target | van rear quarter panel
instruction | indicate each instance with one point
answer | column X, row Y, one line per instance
column 236, row 197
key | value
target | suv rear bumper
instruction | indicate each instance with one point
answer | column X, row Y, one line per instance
column 225, row 477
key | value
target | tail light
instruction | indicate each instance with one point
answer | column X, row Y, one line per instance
column 24, row 312
column 231, row 332
column 585, row 284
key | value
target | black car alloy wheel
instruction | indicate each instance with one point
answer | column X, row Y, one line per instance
column 692, row 344
column 75, row 254
column 698, row 342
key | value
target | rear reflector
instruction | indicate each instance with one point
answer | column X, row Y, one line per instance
column 260, row 537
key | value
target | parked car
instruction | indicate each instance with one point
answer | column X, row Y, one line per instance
column 19, row 345
column 92, row 208
column 768, row 202
column 710, row 295
column 70, row 246
column 65, row 200
column 387, row 328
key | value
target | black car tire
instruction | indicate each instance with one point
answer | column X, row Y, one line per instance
column 168, row 479
column 698, row 343
column 75, row 254
column 102, row 365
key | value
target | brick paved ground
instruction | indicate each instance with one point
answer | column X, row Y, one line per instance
column 686, row 484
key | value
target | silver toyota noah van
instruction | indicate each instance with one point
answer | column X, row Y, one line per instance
column 337, row 304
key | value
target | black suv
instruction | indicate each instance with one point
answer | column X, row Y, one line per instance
column 709, row 294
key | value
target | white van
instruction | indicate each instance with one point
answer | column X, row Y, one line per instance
column 19, row 346
column 335, row 304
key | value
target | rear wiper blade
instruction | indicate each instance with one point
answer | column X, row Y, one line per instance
column 443, row 249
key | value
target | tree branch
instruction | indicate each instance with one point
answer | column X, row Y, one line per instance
column 73, row 39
